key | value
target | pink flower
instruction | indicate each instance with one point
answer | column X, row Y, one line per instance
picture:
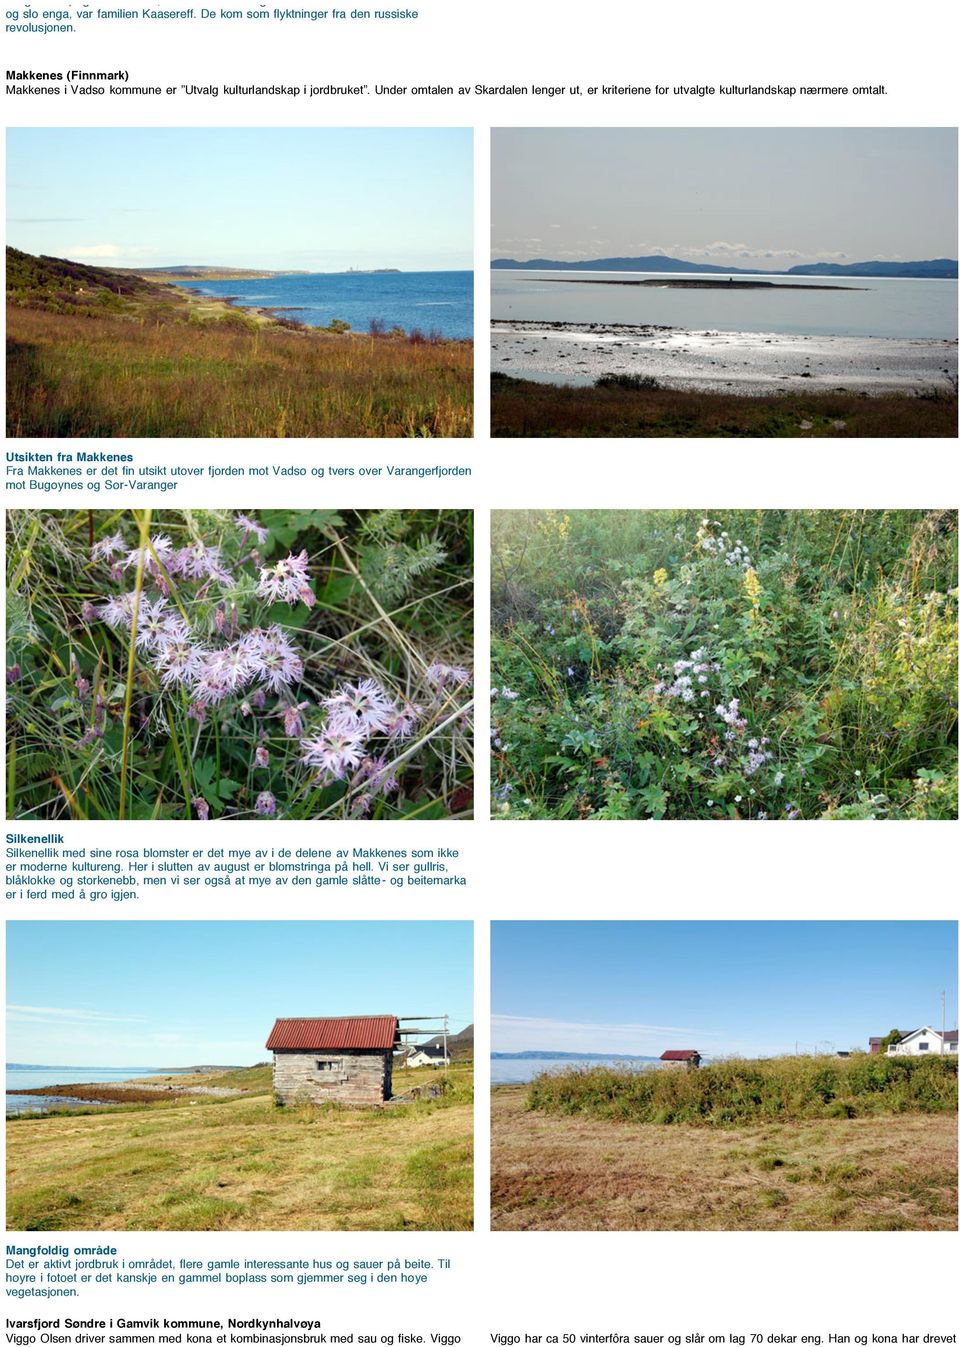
column 107, row 548
column 250, row 526
column 292, row 721
column 273, row 659
column 201, row 808
column 286, row 581
column 335, row 749
column 364, row 702
column 262, row 756
column 266, row 805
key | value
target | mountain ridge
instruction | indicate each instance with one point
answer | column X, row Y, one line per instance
column 938, row 268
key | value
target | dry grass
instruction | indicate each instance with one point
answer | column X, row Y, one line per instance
column 563, row 1173
column 74, row 375
column 243, row 1164
column 521, row 408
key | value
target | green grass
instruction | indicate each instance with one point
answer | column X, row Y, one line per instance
column 522, row 408
column 93, row 732
column 833, row 631
column 244, row 1164
column 740, row 1092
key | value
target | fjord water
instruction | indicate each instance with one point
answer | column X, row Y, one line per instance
column 859, row 307
column 520, row 1070
column 440, row 301
column 21, row 1076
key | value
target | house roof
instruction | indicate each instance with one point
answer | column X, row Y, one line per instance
column 354, row 1031
column 678, row 1054
column 428, row 1050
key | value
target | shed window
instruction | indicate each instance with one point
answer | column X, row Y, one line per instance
column 329, row 1064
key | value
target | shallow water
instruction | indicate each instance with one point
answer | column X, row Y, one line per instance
column 22, row 1077
column 429, row 300
column 859, row 307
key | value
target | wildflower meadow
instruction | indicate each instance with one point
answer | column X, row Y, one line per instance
column 230, row 664
column 762, row 664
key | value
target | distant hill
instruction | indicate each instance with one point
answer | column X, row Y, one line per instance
column 197, row 273
column 655, row 263
column 941, row 268
column 571, row 1057
column 458, row 1045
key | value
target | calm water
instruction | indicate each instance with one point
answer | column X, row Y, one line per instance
column 429, row 300
column 23, row 1077
column 518, row 1070
column 861, row 307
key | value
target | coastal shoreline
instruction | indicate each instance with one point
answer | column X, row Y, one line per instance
column 695, row 283
column 737, row 363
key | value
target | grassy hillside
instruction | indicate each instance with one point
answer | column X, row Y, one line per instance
column 553, row 1172
column 97, row 353
column 244, row 1164
column 738, row 1091
column 522, row 408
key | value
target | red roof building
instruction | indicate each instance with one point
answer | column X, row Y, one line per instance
column 681, row 1057
column 353, row 1031
column 341, row 1059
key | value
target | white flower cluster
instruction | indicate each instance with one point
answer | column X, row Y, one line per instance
column 733, row 550
column 690, row 676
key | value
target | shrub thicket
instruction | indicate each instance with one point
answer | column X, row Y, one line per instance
column 738, row 1091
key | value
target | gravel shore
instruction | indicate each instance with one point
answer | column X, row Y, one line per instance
column 731, row 362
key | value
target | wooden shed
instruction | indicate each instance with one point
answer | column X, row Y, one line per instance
column 347, row 1060
column 688, row 1057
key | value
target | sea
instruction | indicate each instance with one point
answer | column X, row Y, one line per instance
column 520, row 1070
column 433, row 301
column 21, row 1076
column 859, row 307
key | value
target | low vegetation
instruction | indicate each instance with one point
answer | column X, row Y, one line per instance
column 619, row 407
column 213, row 664
column 244, row 1164
column 757, row 664
column 93, row 353
column 561, row 1172
column 738, row 1091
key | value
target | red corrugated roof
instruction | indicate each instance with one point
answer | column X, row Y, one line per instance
column 673, row 1054
column 353, row 1031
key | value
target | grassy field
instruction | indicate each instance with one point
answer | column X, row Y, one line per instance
column 523, row 409
column 243, row 1164
column 101, row 354
column 550, row 1172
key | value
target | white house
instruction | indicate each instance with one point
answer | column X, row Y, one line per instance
column 925, row 1040
column 426, row 1056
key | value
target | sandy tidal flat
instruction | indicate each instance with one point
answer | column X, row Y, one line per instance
column 722, row 362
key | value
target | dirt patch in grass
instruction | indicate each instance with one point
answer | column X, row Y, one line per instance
column 562, row 1173
column 243, row 1164
column 521, row 408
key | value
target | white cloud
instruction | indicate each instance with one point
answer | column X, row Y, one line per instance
column 58, row 1014
column 108, row 250
column 521, row 1033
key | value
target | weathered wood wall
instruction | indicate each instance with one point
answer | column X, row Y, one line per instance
column 356, row 1078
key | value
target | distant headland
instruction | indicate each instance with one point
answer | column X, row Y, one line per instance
column 939, row 268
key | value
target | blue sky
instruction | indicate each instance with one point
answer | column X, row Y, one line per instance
column 183, row 993
column 754, row 988
column 745, row 197
column 311, row 199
